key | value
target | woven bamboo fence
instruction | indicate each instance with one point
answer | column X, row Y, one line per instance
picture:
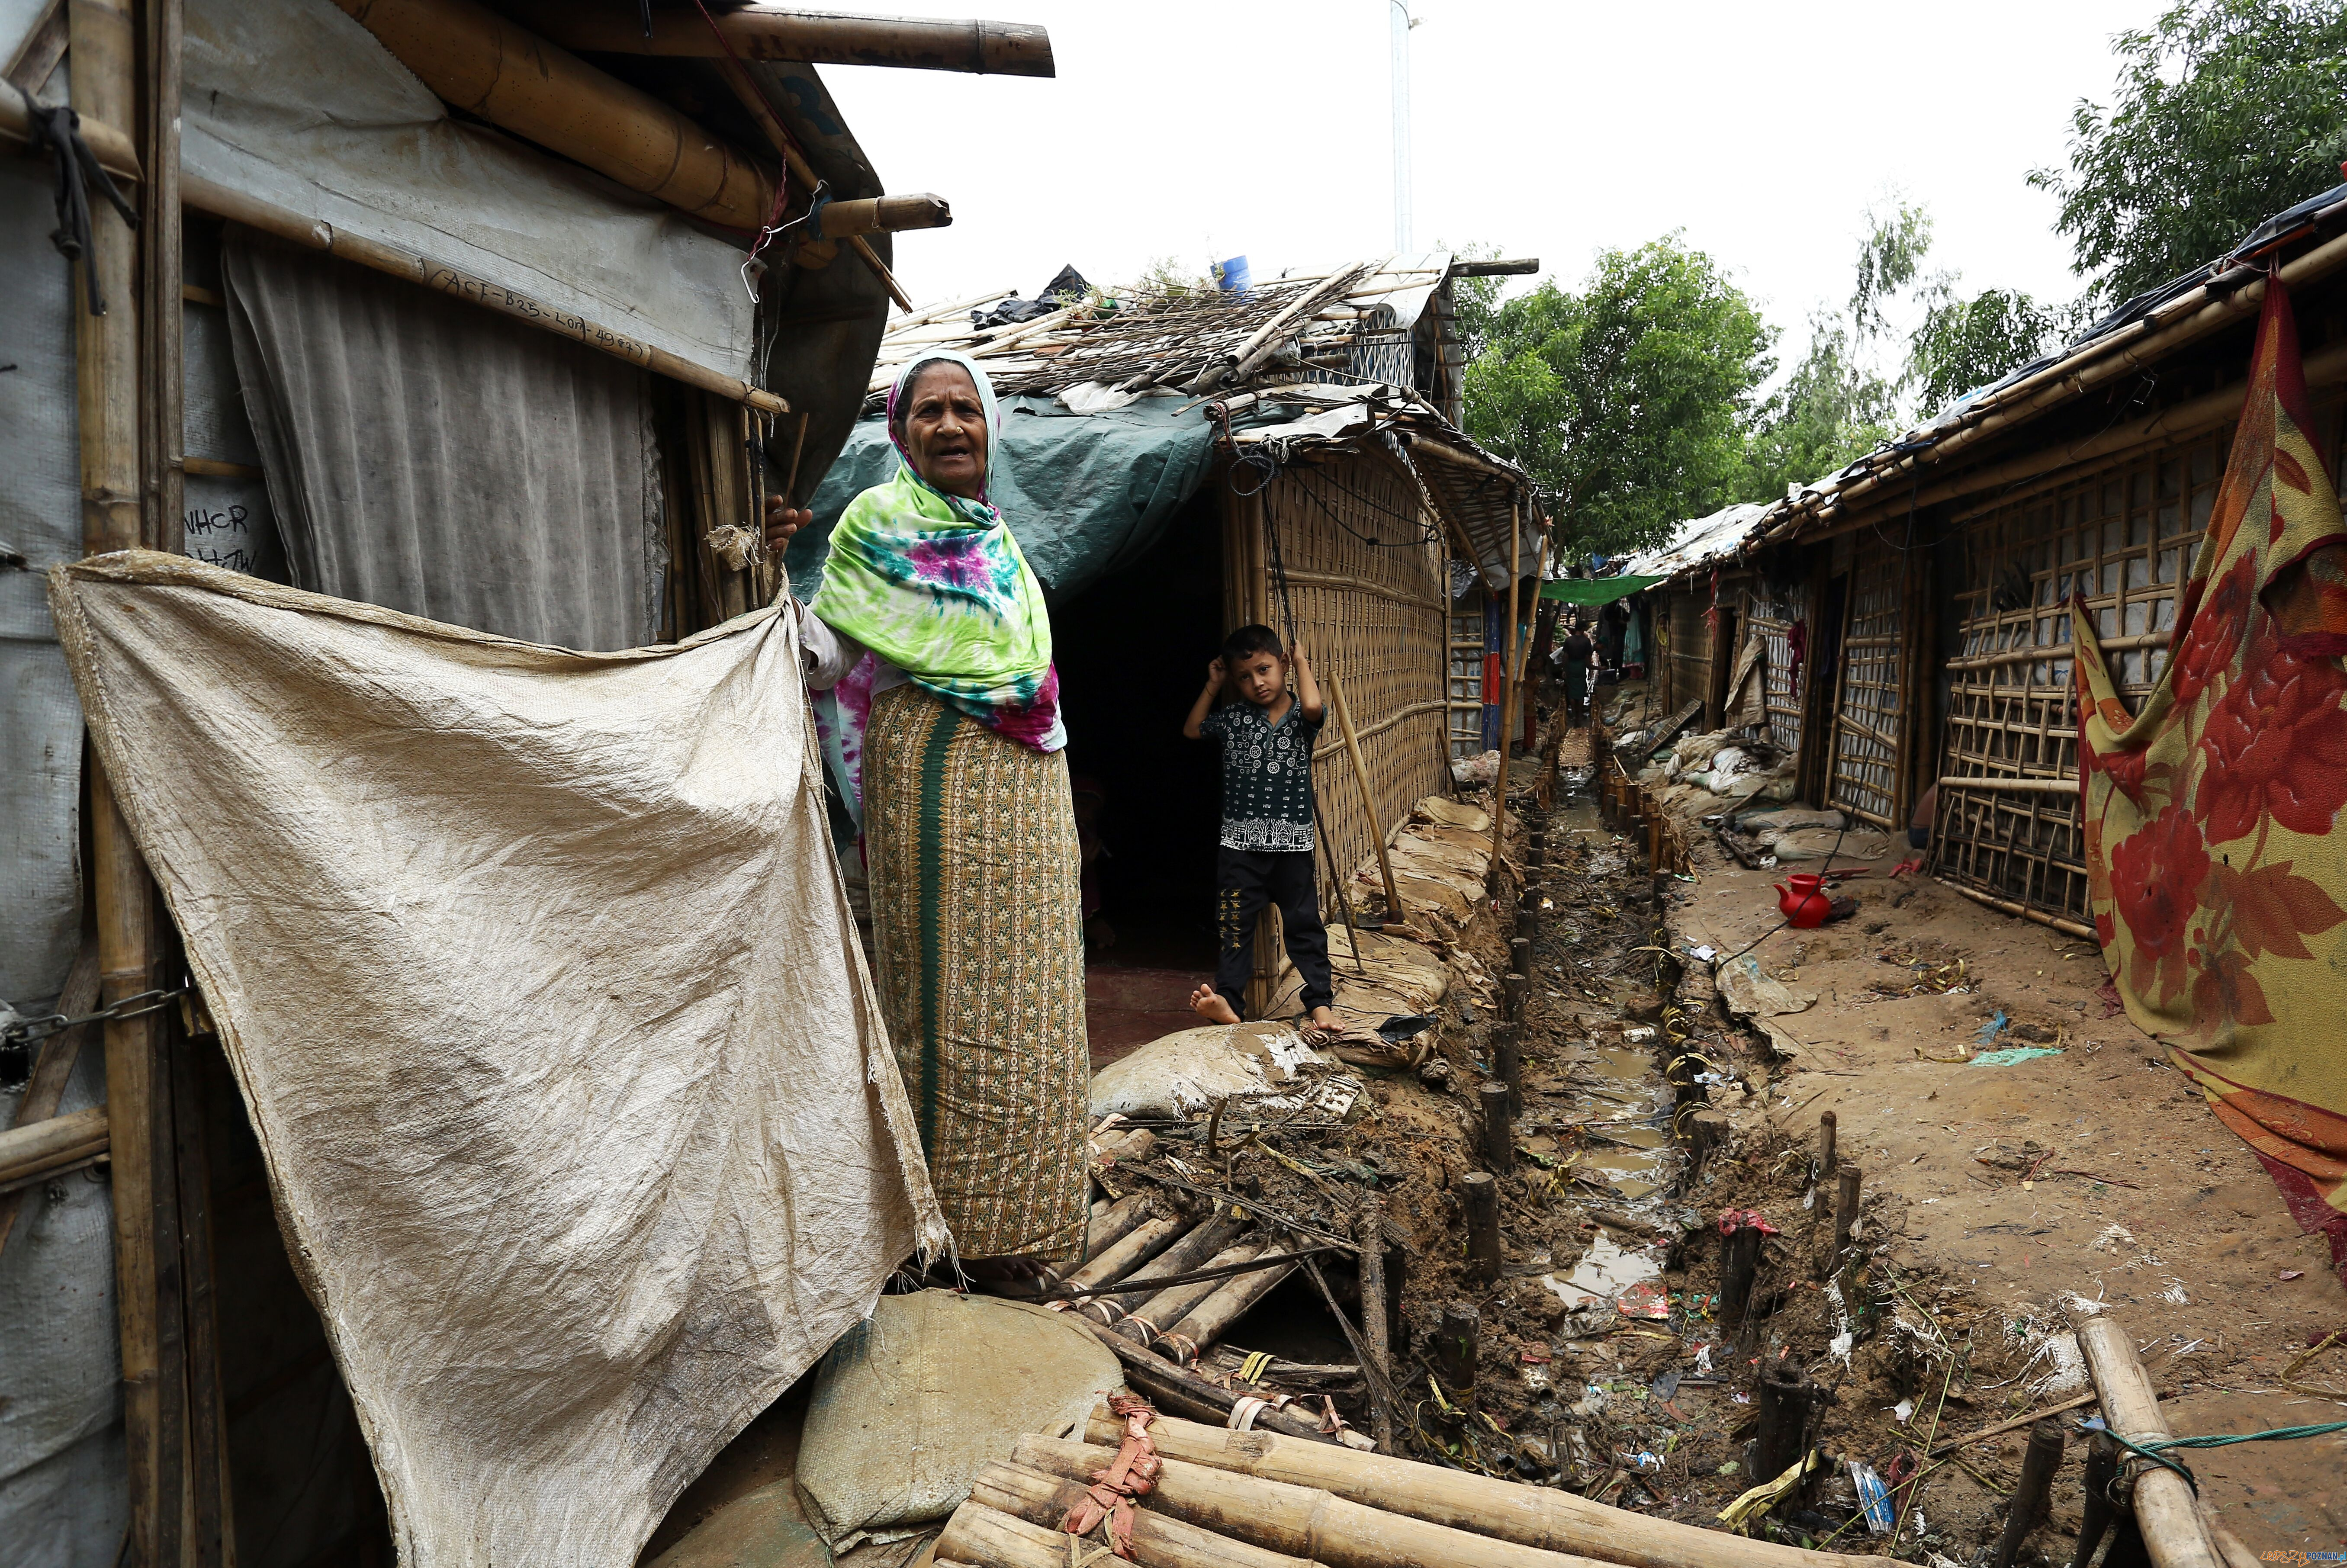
column 2124, row 536
column 1367, row 588
column 1872, row 707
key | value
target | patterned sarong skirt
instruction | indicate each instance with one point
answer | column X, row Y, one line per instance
column 970, row 841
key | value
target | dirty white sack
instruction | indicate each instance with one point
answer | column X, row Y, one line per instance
column 1190, row 1069
column 1752, row 991
column 536, row 975
column 912, row 1403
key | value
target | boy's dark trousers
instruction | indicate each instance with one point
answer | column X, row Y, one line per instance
column 1248, row 879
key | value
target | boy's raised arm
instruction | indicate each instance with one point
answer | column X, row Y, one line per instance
column 1307, row 690
column 1205, row 702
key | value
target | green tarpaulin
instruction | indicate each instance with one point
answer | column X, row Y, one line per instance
column 1595, row 589
column 1084, row 493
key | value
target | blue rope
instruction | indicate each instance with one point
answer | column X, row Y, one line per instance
column 2155, row 1449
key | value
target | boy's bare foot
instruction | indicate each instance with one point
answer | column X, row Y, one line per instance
column 1322, row 1025
column 1208, row 1004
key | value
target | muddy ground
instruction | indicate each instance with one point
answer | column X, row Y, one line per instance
column 1992, row 1195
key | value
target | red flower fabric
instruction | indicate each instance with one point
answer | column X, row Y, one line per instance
column 2215, row 634
column 2276, row 746
column 2156, row 878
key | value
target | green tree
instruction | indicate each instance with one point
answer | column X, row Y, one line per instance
column 1964, row 345
column 1626, row 401
column 1831, row 410
column 2225, row 112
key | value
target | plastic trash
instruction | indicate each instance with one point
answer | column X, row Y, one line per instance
column 1874, row 1497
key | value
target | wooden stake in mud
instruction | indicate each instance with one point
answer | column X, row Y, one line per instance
column 1456, row 1348
column 1740, row 1265
column 2031, row 1492
column 1826, row 1128
column 1513, row 986
column 1508, row 1063
column 1784, row 1400
column 2101, row 1508
column 1845, row 1209
column 1369, row 1233
column 1482, row 1195
column 1499, row 1132
column 1519, row 954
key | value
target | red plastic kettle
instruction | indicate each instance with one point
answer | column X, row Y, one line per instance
column 1805, row 904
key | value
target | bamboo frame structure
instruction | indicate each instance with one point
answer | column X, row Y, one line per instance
column 1871, row 711
column 2123, row 536
column 816, row 38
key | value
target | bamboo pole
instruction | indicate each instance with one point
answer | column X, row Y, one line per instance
column 1137, row 1247
column 1507, row 696
column 1300, row 1521
column 107, row 352
column 815, row 37
column 1147, row 1324
column 2007, row 907
column 489, row 66
column 1115, row 1223
column 52, row 1068
column 2174, row 1532
column 112, row 145
column 236, row 206
column 40, row 1148
column 1378, row 1375
column 1543, row 1517
column 1152, row 1374
column 162, row 321
column 1394, row 910
column 1196, row 1250
column 1211, row 1319
column 1159, row 1541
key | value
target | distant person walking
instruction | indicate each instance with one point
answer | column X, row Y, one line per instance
column 1575, row 653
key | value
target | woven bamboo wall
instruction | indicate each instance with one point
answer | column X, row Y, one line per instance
column 1376, row 616
column 1686, row 652
column 1771, row 613
column 2124, row 536
column 1466, row 682
column 1870, row 708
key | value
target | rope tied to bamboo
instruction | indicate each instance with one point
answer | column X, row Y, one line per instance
column 1132, row 1474
column 58, row 129
column 2154, row 1450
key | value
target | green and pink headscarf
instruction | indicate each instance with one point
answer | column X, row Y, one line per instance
column 936, row 585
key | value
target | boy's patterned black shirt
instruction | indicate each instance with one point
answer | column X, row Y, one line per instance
column 1267, row 776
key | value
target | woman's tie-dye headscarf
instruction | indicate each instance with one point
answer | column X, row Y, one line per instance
column 936, row 585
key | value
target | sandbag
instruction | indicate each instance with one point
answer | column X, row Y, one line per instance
column 916, row 1399
column 1189, row 1070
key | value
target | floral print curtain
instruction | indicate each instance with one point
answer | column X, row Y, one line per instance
column 2216, row 882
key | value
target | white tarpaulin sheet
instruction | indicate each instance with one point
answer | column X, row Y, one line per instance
column 539, row 981
column 294, row 102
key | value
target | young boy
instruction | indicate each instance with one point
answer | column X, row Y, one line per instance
column 1267, row 829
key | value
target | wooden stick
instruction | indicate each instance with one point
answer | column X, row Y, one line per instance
column 2099, row 1510
column 2173, row 1530
column 1159, row 1541
column 1378, row 1374
column 53, row 1067
column 2027, row 1505
column 1945, row 1449
column 1498, row 1135
column 1507, row 696
column 1786, row 1394
column 1543, row 1517
column 1846, row 1202
column 1739, row 1264
column 38, row 1149
column 1828, row 1124
column 816, row 38
column 1458, row 1347
column 1481, row 1194
column 1394, row 910
column 1304, row 1521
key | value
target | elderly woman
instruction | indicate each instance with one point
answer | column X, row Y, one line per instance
column 930, row 647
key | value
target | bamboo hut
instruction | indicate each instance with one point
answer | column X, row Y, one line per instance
column 444, row 306
column 1181, row 463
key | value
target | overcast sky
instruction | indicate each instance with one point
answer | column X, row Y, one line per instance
column 1263, row 129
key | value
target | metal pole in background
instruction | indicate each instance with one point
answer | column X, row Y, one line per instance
column 1399, row 10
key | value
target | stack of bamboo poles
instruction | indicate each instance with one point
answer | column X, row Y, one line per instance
column 1160, row 1325
column 1223, row 1498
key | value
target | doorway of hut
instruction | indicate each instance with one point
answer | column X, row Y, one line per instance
column 1131, row 651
